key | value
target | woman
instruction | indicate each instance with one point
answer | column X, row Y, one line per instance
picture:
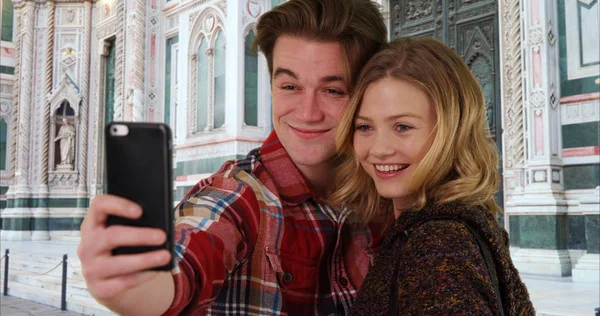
column 415, row 137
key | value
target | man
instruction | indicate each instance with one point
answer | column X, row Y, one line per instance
column 258, row 237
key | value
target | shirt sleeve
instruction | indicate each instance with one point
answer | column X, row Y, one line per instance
column 444, row 273
column 215, row 229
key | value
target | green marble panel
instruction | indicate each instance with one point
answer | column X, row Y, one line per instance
column 570, row 87
column 16, row 224
column 68, row 203
column 592, row 233
column 514, row 230
column 543, row 231
column 3, row 205
column 3, row 190
column 581, row 135
column 7, row 70
column 10, row 203
column 7, row 26
column 62, row 224
column 581, row 176
column 207, row 165
column 21, row 203
column 576, row 232
column 40, row 223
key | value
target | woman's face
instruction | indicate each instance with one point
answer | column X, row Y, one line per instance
column 394, row 129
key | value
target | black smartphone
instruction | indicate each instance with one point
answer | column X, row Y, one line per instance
column 139, row 168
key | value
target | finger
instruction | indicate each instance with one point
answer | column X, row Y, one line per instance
column 119, row 236
column 114, row 266
column 104, row 205
column 100, row 242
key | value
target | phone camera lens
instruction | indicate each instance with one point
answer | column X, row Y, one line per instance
column 114, row 129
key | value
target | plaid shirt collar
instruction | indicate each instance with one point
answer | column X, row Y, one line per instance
column 292, row 185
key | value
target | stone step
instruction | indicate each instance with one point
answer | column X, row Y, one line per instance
column 75, row 303
column 76, row 287
column 43, row 264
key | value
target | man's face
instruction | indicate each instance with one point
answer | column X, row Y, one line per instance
column 309, row 97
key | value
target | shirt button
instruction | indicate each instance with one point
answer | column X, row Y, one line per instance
column 287, row 277
column 343, row 281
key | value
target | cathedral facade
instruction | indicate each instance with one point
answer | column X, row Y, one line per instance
column 69, row 67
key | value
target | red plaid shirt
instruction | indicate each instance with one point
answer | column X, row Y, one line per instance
column 254, row 239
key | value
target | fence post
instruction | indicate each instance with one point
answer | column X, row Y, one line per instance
column 6, row 273
column 63, row 298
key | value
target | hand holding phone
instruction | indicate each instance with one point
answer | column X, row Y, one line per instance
column 139, row 168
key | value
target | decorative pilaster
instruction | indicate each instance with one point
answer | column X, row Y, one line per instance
column 17, row 216
column 41, row 213
column 25, row 99
column 537, row 217
column 120, row 60
column 512, row 99
column 134, row 88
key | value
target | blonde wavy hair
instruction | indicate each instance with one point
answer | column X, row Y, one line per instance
column 462, row 163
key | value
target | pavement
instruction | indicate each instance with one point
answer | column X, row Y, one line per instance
column 12, row 306
column 551, row 296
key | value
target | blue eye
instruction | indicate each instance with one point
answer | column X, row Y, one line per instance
column 403, row 128
column 363, row 128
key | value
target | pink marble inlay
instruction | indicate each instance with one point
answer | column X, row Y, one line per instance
column 537, row 67
column 581, row 151
column 8, row 53
column 580, row 98
column 152, row 58
column 535, row 12
column 539, row 134
column 151, row 114
column 153, row 4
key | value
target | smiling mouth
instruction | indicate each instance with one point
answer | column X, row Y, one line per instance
column 308, row 134
column 390, row 168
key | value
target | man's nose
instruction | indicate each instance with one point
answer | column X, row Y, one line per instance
column 310, row 110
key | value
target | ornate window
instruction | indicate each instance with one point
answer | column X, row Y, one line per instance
column 207, row 67
column 202, row 90
column 219, row 79
column 250, row 82
column 3, row 143
column 171, row 82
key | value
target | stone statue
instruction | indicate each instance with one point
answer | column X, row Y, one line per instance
column 66, row 135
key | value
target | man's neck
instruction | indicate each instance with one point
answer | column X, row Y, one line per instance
column 320, row 178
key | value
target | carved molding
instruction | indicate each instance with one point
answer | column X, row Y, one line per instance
column 25, row 96
column 512, row 87
column 64, row 179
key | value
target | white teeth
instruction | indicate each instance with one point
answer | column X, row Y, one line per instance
column 388, row 168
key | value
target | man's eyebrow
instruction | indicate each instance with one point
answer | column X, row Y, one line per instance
column 284, row 71
column 331, row 79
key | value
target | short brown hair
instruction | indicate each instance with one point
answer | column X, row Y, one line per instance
column 462, row 163
column 356, row 24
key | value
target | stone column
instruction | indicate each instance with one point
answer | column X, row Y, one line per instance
column 537, row 208
column 82, row 187
column 41, row 213
column 17, row 216
column 234, row 98
column 134, row 85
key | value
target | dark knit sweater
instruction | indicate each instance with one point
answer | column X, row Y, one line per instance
column 440, row 268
